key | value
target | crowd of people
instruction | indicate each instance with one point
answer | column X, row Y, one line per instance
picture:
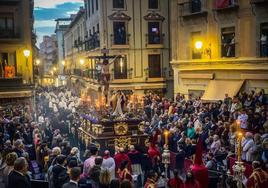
column 43, row 143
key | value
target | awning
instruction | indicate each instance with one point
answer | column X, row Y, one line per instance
column 16, row 94
column 217, row 89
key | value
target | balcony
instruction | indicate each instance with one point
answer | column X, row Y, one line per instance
column 193, row 8
column 120, row 41
column 225, row 5
column 9, row 35
column 92, row 43
column 153, row 40
column 91, row 74
column 13, row 84
column 125, row 75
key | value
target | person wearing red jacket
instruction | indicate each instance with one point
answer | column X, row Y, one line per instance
column 151, row 180
column 119, row 157
column 175, row 182
column 258, row 178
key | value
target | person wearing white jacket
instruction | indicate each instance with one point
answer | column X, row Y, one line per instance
column 247, row 145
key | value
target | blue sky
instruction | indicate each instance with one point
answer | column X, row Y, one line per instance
column 46, row 11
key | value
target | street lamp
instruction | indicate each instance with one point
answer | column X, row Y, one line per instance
column 26, row 53
column 206, row 51
column 198, row 45
column 82, row 61
column 37, row 62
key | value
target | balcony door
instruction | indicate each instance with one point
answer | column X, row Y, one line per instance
column 154, row 63
column 154, row 33
column 120, row 68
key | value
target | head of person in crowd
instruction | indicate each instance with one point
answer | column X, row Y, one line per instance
column 190, row 176
column 256, row 164
column 121, row 150
column 61, row 160
column 21, row 165
column 126, row 184
column 248, row 136
column 98, row 161
column 11, row 158
column 75, row 173
column 18, row 144
column 56, row 151
column 123, row 165
column 71, row 164
column 115, row 183
column 106, row 154
column 74, row 152
column 105, row 177
column 93, row 150
column 152, row 175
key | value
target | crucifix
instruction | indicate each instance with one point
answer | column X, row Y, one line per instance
column 104, row 65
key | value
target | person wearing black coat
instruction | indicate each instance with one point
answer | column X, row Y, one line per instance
column 17, row 177
column 180, row 157
column 59, row 172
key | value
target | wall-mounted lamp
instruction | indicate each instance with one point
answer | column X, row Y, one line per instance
column 206, row 51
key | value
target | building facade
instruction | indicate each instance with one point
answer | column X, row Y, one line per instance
column 137, row 31
column 62, row 25
column 16, row 49
column 49, row 54
column 219, row 47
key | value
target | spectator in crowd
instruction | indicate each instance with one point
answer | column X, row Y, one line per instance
column 59, row 171
column 17, row 177
column 176, row 181
column 190, row 181
column 123, row 172
column 105, row 178
column 74, row 178
column 90, row 162
column 247, row 146
column 259, row 178
column 108, row 163
column 151, row 180
column 7, row 167
column 121, row 156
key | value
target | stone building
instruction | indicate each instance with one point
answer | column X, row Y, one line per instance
column 136, row 33
column 62, row 25
column 219, row 47
column 48, row 54
column 16, row 49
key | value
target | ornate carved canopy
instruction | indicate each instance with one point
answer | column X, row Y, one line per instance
column 153, row 16
column 119, row 16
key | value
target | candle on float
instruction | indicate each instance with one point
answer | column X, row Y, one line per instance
column 166, row 137
column 238, row 123
column 239, row 147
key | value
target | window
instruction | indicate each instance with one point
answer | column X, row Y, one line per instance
column 263, row 40
column 7, row 59
column 154, row 64
column 120, row 68
column 196, row 53
column 98, row 28
column 119, row 4
column 153, row 4
column 228, row 42
column 97, row 4
column 195, row 6
column 6, row 26
column 120, row 33
column 88, row 8
column 154, row 36
column 92, row 6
